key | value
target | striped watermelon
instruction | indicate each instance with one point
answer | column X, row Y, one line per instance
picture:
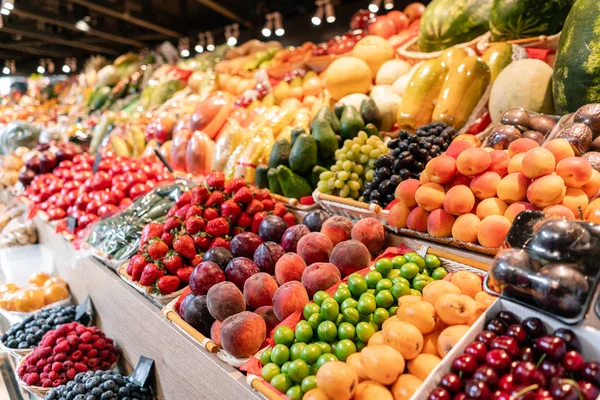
column 577, row 66
column 449, row 22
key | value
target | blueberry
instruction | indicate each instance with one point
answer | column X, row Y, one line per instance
column 80, row 397
column 90, row 397
column 404, row 173
column 13, row 344
column 392, row 144
column 403, row 134
column 403, row 146
column 96, row 392
column 51, row 395
column 23, row 345
column 108, row 395
column 123, row 392
column 110, row 386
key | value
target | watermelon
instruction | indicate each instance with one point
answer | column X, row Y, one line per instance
column 576, row 79
column 449, row 22
column 516, row 19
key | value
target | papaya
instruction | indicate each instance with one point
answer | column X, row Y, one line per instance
column 351, row 123
column 497, row 57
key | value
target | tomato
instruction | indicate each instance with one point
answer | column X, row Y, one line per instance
column 82, row 200
column 116, row 168
column 79, row 158
column 120, row 186
column 82, row 175
column 414, row 10
column 44, row 206
column 83, row 167
column 93, row 206
column 107, row 209
column 105, row 164
column 383, row 26
column 70, row 185
column 117, row 194
column 151, row 184
column 125, row 202
column 101, row 181
column 400, row 20
column 85, row 220
column 56, row 214
column 137, row 190
column 138, row 177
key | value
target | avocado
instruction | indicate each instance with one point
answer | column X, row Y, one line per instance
column 304, row 154
column 273, row 181
column 351, row 123
column 325, row 113
column 370, row 113
column 295, row 133
column 338, row 109
column 371, row 130
column 327, row 142
column 261, row 180
column 280, row 153
column 315, row 175
column 292, row 185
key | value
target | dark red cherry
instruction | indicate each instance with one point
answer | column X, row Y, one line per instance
column 542, row 394
column 563, row 389
column 554, row 347
column 527, row 354
column 509, row 317
column 551, row 369
column 486, row 374
column 498, row 359
column 517, row 332
column 477, row 350
column 507, row 343
column 477, row 390
column 507, row 383
column 534, row 327
column 569, row 337
column 573, row 361
column 485, row 337
column 524, row 372
column 497, row 326
column 499, row 395
column 588, row 390
column 439, row 394
column 451, row 382
column 460, row 396
column 464, row 363
column 591, row 372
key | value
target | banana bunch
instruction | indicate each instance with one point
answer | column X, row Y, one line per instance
column 131, row 143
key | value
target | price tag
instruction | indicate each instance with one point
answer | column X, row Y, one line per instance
column 96, row 163
column 163, row 160
column 84, row 312
column 71, row 224
column 143, row 371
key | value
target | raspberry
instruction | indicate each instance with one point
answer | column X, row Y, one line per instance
column 44, row 375
column 73, row 340
column 61, row 347
column 112, row 358
column 93, row 363
column 21, row 370
column 46, row 383
column 50, row 360
column 71, row 373
column 31, row 368
column 100, row 344
column 77, row 355
column 67, row 364
column 104, row 354
column 80, row 329
column 94, row 338
column 32, row 379
column 85, row 347
column 57, row 367
column 60, row 357
column 44, row 351
column 105, row 365
column 79, row 367
column 56, row 383
column 62, row 330
column 49, row 339
column 85, row 337
column 61, row 339
column 25, row 376
column 47, row 368
column 53, row 375
column 41, row 364
column 33, row 359
column 85, row 359
column 91, row 353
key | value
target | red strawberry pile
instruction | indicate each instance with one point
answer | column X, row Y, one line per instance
column 205, row 217
column 73, row 189
column 65, row 352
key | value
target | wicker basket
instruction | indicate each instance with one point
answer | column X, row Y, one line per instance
column 353, row 209
column 409, row 51
column 16, row 353
column 539, row 42
column 159, row 300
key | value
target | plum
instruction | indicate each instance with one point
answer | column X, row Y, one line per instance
column 245, row 244
column 184, row 304
column 239, row 269
column 205, row 275
column 266, row 256
column 271, row 229
column 219, row 255
column 314, row 220
column 561, row 288
column 197, row 315
column 292, row 235
column 559, row 240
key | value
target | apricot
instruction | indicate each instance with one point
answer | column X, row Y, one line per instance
column 559, row 211
column 538, row 162
column 29, row 300
column 441, row 169
column 398, row 215
column 439, row 223
column 459, row 200
column 320, row 276
column 458, row 146
column 485, row 298
column 499, row 164
column 353, row 360
column 435, row 289
column 370, row 232
column 419, row 313
column 381, row 363
column 458, row 180
column 483, row 186
column 592, row 211
column 516, row 163
column 54, row 293
column 405, row 338
column 575, row 171
column 516, row 208
column 473, row 161
column 491, row 206
column 315, row 394
column 368, row 390
column 337, row 228
column 259, row 289
column 513, row 187
column 465, row 228
column 575, row 200
column 337, row 379
column 493, row 230
column 522, row 145
column 449, row 337
column 430, row 196
column 592, row 186
column 289, row 267
column 417, row 220
column 430, row 342
column 425, row 177
column 315, row 247
column 467, row 282
column 560, row 149
column 377, row 338
column 288, row 298
column 405, row 192
column 350, row 256
column 38, row 278
column 242, row 334
column 406, row 386
column 546, row 191
column 455, row 309
column 422, row 365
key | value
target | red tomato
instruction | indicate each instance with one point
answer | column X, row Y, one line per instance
column 71, row 197
column 107, row 209
column 85, row 220
column 101, row 181
column 79, row 158
column 125, row 203
column 56, row 214
column 83, row 167
column 116, row 168
column 82, row 175
column 70, row 185
column 66, row 164
column 151, row 184
column 137, row 190
column 119, row 186
column 414, row 10
column 383, row 26
column 414, row 25
column 93, row 206
column 82, row 200
column 44, row 206
column 400, row 20
column 105, row 164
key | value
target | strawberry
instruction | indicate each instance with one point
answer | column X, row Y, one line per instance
column 168, row 284
column 216, row 180
column 167, row 238
column 265, row 194
column 217, row 227
column 289, row 219
column 151, row 274
column 254, row 207
column 220, row 242
column 194, row 224
column 196, row 260
column 150, row 231
column 172, row 211
column 199, row 194
column 243, row 195
column 210, row 214
column 230, row 210
column 184, row 245
column 172, row 262
column 184, row 199
column 244, row 220
column 137, row 264
column 202, row 242
column 193, row 210
column 215, row 198
column 185, row 273
column 235, row 185
column 267, row 204
column 182, row 212
column 257, row 219
column 172, row 223
column 236, row 230
column 157, row 249
column 279, row 209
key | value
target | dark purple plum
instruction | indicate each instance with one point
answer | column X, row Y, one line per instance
column 205, row 275
column 245, row 244
column 184, row 304
column 271, row 229
column 266, row 256
column 315, row 219
column 219, row 255
column 292, row 235
column 197, row 315
column 239, row 269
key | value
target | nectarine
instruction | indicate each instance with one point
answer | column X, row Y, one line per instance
column 405, row 192
column 441, row 169
column 459, row 200
column 513, row 188
column 465, row 228
column 439, row 223
column 484, row 185
column 473, row 161
column 417, row 220
column 430, row 196
column 493, row 231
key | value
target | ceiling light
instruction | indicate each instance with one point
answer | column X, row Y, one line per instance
column 316, row 19
column 232, row 41
column 329, row 12
column 388, row 4
column 8, row 4
column 66, row 69
column 41, row 69
column 6, row 70
column 199, row 49
column 5, row 11
column 374, row 6
column 279, row 31
column 232, row 32
column 266, row 31
column 210, row 47
column 210, row 41
column 201, row 43
column 82, row 26
column 184, row 53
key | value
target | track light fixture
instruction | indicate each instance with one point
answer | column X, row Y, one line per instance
column 210, row 41
column 374, row 6
column 279, row 31
column 388, row 4
column 268, row 28
column 184, row 47
column 232, row 32
column 324, row 9
column 201, row 43
column 9, row 67
column 329, row 12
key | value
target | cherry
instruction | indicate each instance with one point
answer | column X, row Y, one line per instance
column 573, row 361
column 509, row 317
column 569, row 337
column 485, row 337
column 534, row 327
column 486, row 374
column 507, row 343
column 464, row 363
column 451, row 382
column 477, row 350
column 498, row 359
column 543, row 394
column 507, row 383
column 563, row 389
column 524, row 392
column 439, row 394
column 554, row 347
column 588, row 390
column 517, row 332
column 527, row 354
column 497, row 326
column 460, row 396
column 498, row 395
column 477, row 390
column 591, row 372
column 551, row 369
column 524, row 372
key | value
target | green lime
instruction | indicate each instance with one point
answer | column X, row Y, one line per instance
column 310, row 309
column 366, row 318
column 296, row 350
column 384, row 266
column 310, row 353
column 303, row 332
column 329, row 309
column 325, row 358
column 308, row 383
column 393, row 310
column 424, row 273
column 384, row 299
column 284, row 335
column 371, row 292
column 281, row 382
column 409, row 270
column 432, row 261
column 314, row 321
column 346, row 331
column 325, row 347
column 333, row 345
column 380, row 315
column 395, row 273
column 420, row 283
column 398, row 261
column 313, row 369
column 295, row 393
column 413, row 257
column 351, row 315
column 359, row 345
column 372, row 277
column 357, row 285
column 384, row 284
column 339, row 319
column 367, row 304
column 400, row 279
column 342, row 294
column 269, row 371
column 364, row 331
column 344, row 349
column 320, row 296
column 327, row 331
column 265, row 357
column 349, row 303
column 298, row 370
column 439, row 273
column 415, row 292
column 343, row 286
column 400, row 289
column 280, row 354
column 285, row 367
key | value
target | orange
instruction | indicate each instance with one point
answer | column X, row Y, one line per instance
column 8, row 288
column 38, row 278
column 55, row 280
column 54, row 293
column 29, row 300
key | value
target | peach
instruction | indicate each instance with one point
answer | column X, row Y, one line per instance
column 259, row 289
column 516, row 163
column 458, row 146
column 459, row 200
column 430, row 196
column 224, row 300
column 491, row 206
column 484, row 185
column 516, row 208
column 337, row 228
column 320, row 276
column 289, row 268
column 522, row 145
column 560, row 148
column 417, row 220
column 465, row 228
column 439, row 223
column 215, row 332
column 290, row 297
column 398, row 215
column 266, row 313
column 575, row 200
column 574, row 171
column 592, row 212
column 473, row 161
column 459, row 179
column 499, row 164
column 469, row 138
column 425, row 177
column 493, row 230
column 315, row 247
column 350, row 256
column 559, row 211
column 538, row 162
column 243, row 334
column 513, row 188
column 405, row 192
column 370, row 232
column 441, row 169
column 592, row 186
column 546, row 191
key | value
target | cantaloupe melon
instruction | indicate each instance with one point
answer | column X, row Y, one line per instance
column 375, row 51
column 347, row 75
column 392, row 70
